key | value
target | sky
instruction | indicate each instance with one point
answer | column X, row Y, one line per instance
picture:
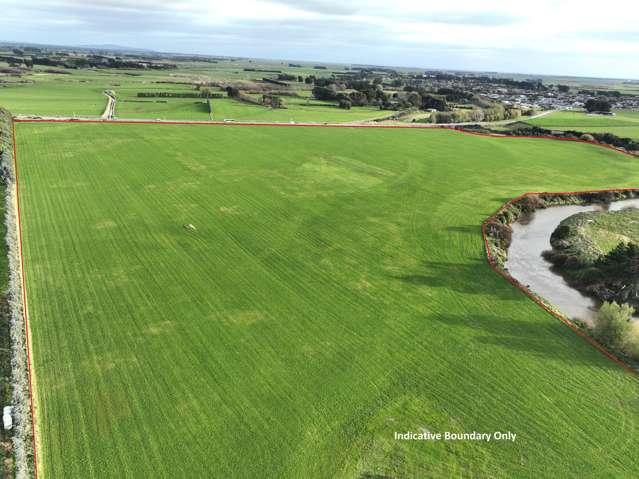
column 558, row 37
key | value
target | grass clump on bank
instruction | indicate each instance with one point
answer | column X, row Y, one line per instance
column 616, row 329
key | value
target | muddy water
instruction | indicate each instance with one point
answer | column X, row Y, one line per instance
column 531, row 236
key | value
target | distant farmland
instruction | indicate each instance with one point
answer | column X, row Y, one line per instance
column 277, row 302
column 81, row 94
column 297, row 109
column 624, row 123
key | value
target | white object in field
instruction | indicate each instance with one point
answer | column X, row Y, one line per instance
column 7, row 420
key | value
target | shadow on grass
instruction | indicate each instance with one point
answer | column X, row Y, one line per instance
column 470, row 229
column 201, row 107
column 530, row 337
column 474, row 277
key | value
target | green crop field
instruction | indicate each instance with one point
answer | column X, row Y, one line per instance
column 297, row 109
column 623, row 123
column 277, row 302
column 166, row 109
column 54, row 97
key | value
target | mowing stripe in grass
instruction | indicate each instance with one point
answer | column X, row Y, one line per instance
column 334, row 291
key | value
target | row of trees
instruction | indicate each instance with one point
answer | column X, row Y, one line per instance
column 371, row 93
column 203, row 93
column 89, row 61
column 273, row 101
column 495, row 112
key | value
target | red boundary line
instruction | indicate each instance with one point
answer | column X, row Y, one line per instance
column 491, row 261
column 24, row 310
column 564, row 319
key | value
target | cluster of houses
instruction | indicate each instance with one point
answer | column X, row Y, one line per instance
column 556, row 100
column 530, row 94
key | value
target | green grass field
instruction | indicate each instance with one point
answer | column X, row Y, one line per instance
column 297, row 109
column 54, row 97
column 169, row 109
column 333, row 292
column 624, row 123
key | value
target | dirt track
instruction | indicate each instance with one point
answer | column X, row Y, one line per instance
column 109, row 111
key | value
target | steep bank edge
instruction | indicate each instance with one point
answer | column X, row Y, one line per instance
column 23, row 431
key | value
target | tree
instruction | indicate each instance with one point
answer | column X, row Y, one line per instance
column 345, row 104
column 286, row 77
column 454, row 95
column 276, row 102
column 326, row 93
column 614, row 329
column 273, row 101
column 434, row 101
column 598, row 104
column 232, row 92
column 414, row 98
column 563, row 88
column 357, row 98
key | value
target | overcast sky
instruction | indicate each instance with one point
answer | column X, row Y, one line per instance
column 573, row 37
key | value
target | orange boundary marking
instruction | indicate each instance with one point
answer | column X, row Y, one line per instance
column 564, row 319
column 491, row 261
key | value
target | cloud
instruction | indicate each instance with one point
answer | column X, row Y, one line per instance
column 327, row 7
column 478, row 18
column 556, row 37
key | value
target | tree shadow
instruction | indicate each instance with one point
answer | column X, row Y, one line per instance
column 470, row 229
column 201, row 107
column 528, row 336
column 474, row 277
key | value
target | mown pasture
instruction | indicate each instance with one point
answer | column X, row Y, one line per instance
column 62, row 97
column 331, row 291
column 297, row 109
column 624, row 123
